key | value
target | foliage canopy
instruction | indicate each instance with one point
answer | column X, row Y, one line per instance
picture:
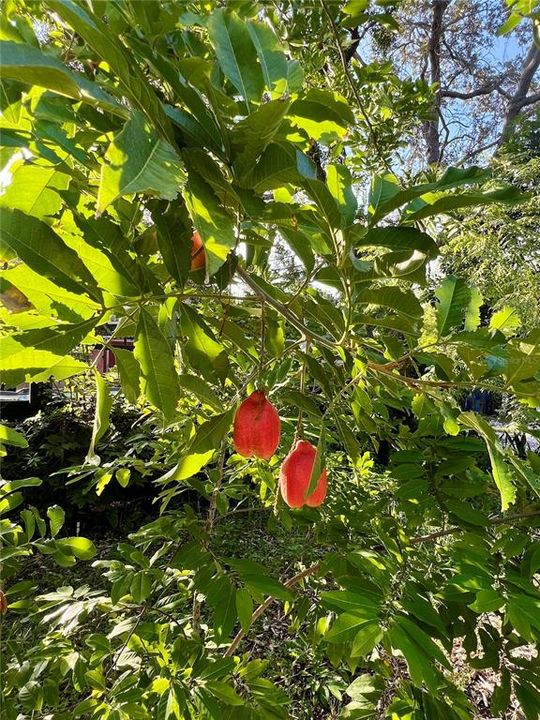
column 128, row 125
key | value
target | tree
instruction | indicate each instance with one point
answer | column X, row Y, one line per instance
column 454, row 73
column 130, row 126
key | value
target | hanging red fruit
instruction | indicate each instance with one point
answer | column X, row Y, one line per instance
column 198, row 258
column 257, row 427
column 295, row 476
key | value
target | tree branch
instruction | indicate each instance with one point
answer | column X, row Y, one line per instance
column 284, row 310
column 313, row 569
column 529, row 100
column 484, row 90
column 352, row 84
column 519, row 99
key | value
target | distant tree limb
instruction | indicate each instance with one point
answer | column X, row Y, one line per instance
column 484, row 90
column 519, row 99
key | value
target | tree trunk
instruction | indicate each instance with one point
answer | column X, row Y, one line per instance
column 431, row 126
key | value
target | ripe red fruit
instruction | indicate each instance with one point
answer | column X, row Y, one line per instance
column 295, row 476
column 257, row 427
column 197, row 252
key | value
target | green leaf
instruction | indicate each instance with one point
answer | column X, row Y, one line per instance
column 506, row 320
column 251, row 136
column 81, row 547
column 7, row 504
column 26, row 364
column 387, row 195
column 323, row 115
column 174, row 234
column 279, row 74
column 205, row 354
column 454, row 297
column 33, row 190
column 423, row 608
column 325, row 202
column 366, row 638
column 487, row 601
column 339, row 183
column 99, row 244
column 524, row 358
column 56, row 517
column 400, row 237
column 158, row 376
column 403, row 302
column 41, row 348
column 453, row 202
column 501, row 476
column 224, row 692
column 318, row 465
column 43, row 251
column 213, row 223
column 139, row 161
column 529, row 699
column 420, row 665
column 210, row 434
column 526, row 473
column 29, row 65
column 236, row 53
column 101, row 417
column 132, row 79
column 281, row 164
column 465, row 512
column 244, row 608
column 201, row 389
column 50, row 300
column 129, row 371
column 223, row 599
column 364, row 604
column 472, row 311
column 141, row 586
column 268, row 586
column 206, row 441
column 8, row 436
column 501, row 694
column 347, row 626
column 123, row 476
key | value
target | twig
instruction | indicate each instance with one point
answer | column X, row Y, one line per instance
column 353, row 86
column 313, row 569
column 210, row 521
column 298, row 433
column 284, row 310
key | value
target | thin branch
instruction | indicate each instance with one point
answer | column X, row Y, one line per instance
column 519, row 98
column 284, row 310
column 484, row 90
column 477, row 151
column 313, row 569
column 352, row 84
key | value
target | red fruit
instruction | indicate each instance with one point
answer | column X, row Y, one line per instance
column 256, row 427
column 295, row 476
column 197, row 252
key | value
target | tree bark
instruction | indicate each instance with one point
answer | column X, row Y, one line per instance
column 431, row 126
column 519, row 99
